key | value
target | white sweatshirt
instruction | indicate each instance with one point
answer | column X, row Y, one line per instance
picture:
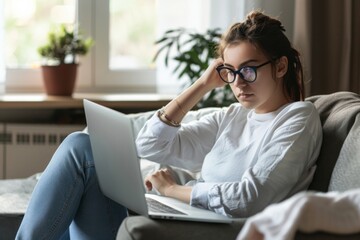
column 247, row 160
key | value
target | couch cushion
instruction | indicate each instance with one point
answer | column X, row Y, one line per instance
column 347, row 168
column 139, row 227
column 14, row 198
column 338, row 112
column 15, row 194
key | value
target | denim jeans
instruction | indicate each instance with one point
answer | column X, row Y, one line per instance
column 67, row 201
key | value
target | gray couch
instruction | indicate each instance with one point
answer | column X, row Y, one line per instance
column 338, row 168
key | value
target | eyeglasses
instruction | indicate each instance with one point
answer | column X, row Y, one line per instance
column 247, row 73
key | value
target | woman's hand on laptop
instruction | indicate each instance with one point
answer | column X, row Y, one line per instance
column 160, row 181
column 163, row 182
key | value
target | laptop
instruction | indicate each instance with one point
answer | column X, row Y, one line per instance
column 118, row 169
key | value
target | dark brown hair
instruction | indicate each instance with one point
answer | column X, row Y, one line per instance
column 267, row 34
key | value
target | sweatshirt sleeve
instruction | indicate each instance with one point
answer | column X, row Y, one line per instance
column 178, row 146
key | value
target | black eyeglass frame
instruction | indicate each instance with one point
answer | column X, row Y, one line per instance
column 254, row 68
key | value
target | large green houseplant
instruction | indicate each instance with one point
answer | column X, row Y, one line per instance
column 193, row 54
column 60, row 53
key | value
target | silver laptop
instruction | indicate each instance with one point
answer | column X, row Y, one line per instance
column 118, row 169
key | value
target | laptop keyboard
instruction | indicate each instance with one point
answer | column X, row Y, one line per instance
column 156, row 206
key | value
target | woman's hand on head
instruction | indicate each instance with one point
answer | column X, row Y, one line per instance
column 211, row 77
column 208, row 81
column 161, row 180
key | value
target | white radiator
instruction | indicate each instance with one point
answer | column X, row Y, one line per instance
column 26, row 149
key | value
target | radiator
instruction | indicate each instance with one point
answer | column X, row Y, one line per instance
column 26, row 149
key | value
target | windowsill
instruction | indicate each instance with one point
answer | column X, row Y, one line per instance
column 120, row 101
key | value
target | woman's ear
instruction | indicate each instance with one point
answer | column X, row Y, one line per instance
column 281, row 67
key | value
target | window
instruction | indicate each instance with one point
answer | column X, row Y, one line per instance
column 132, row 24
column 124, row 33
column 121, row 58
column 26, row 23
column 25, row 27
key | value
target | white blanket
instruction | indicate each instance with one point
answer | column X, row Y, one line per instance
column 308, row 212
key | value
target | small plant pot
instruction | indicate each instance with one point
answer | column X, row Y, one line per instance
column 59, row 80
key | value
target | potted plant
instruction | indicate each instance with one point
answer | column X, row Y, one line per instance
column 194, row 51
column 61, row 53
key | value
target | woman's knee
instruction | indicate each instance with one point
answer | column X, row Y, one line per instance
column 78, row 139
column 76, row 147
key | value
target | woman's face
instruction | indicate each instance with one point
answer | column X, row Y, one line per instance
column 265, row 94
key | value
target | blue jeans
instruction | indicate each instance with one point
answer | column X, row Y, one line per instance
column 67, row 201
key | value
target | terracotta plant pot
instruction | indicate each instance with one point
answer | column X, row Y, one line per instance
column 59, row 80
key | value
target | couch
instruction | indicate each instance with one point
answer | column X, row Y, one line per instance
column 338, row 168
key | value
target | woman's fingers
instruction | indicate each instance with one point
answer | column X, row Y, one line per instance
column 148, row 184
column 159, row 180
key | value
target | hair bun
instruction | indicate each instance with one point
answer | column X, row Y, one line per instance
column 256, row 18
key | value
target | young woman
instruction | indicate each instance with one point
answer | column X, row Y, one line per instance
column 256, row 152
